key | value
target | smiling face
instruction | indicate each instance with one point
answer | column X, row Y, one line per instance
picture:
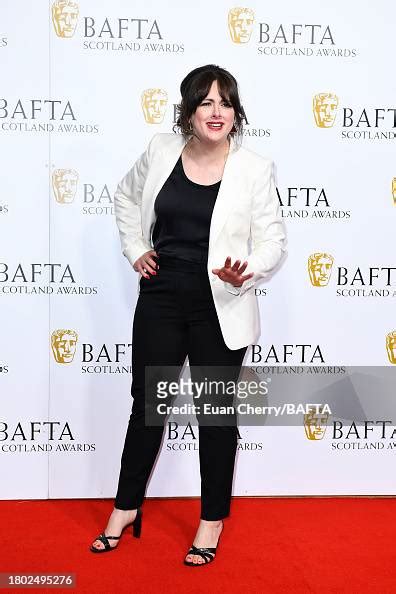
column 213, row 119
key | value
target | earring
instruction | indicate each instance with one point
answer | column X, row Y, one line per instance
column 190, row 129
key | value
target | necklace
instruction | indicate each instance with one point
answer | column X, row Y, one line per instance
column 188, row 150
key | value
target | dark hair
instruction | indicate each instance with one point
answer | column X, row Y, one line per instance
column 195, row 87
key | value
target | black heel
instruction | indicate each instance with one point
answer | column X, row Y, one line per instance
column 136, row 530
column 137, row 524
column 206, row 553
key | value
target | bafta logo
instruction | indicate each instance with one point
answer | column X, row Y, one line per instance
column 154, row 103
column 315, row 424
column 394, row 190
column 325, row 109
column 319, row 268
column 391, row 346
column 63, row 344
column 64, row 17
column 64, row 185
column 240, row 24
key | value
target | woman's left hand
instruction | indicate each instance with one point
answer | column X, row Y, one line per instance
column 233, row 273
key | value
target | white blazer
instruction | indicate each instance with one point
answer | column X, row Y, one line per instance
column 246, row 212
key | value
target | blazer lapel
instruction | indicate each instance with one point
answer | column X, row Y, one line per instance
column 168, row 157
column 226, row 195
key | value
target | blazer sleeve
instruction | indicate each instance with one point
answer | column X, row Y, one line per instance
column 267, row 231
column 127, row 207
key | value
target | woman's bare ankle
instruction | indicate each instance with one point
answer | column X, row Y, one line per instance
column 211, row 523
column 123, row 511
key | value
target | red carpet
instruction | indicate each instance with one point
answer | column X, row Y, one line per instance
column 269, row 545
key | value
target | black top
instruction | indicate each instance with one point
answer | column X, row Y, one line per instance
column 184, row 211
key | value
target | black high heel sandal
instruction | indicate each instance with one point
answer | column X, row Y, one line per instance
column 136, row 531
column 207, row 553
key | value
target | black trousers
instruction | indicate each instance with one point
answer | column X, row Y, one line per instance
column 175, row 317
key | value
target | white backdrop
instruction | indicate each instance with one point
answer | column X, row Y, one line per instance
column 72, row 78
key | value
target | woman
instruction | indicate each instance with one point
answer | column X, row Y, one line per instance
column 185, row 213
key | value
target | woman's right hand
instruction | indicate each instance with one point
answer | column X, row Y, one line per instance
column 146, row 263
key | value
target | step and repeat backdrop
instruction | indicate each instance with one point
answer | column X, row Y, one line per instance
column 84, row 87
